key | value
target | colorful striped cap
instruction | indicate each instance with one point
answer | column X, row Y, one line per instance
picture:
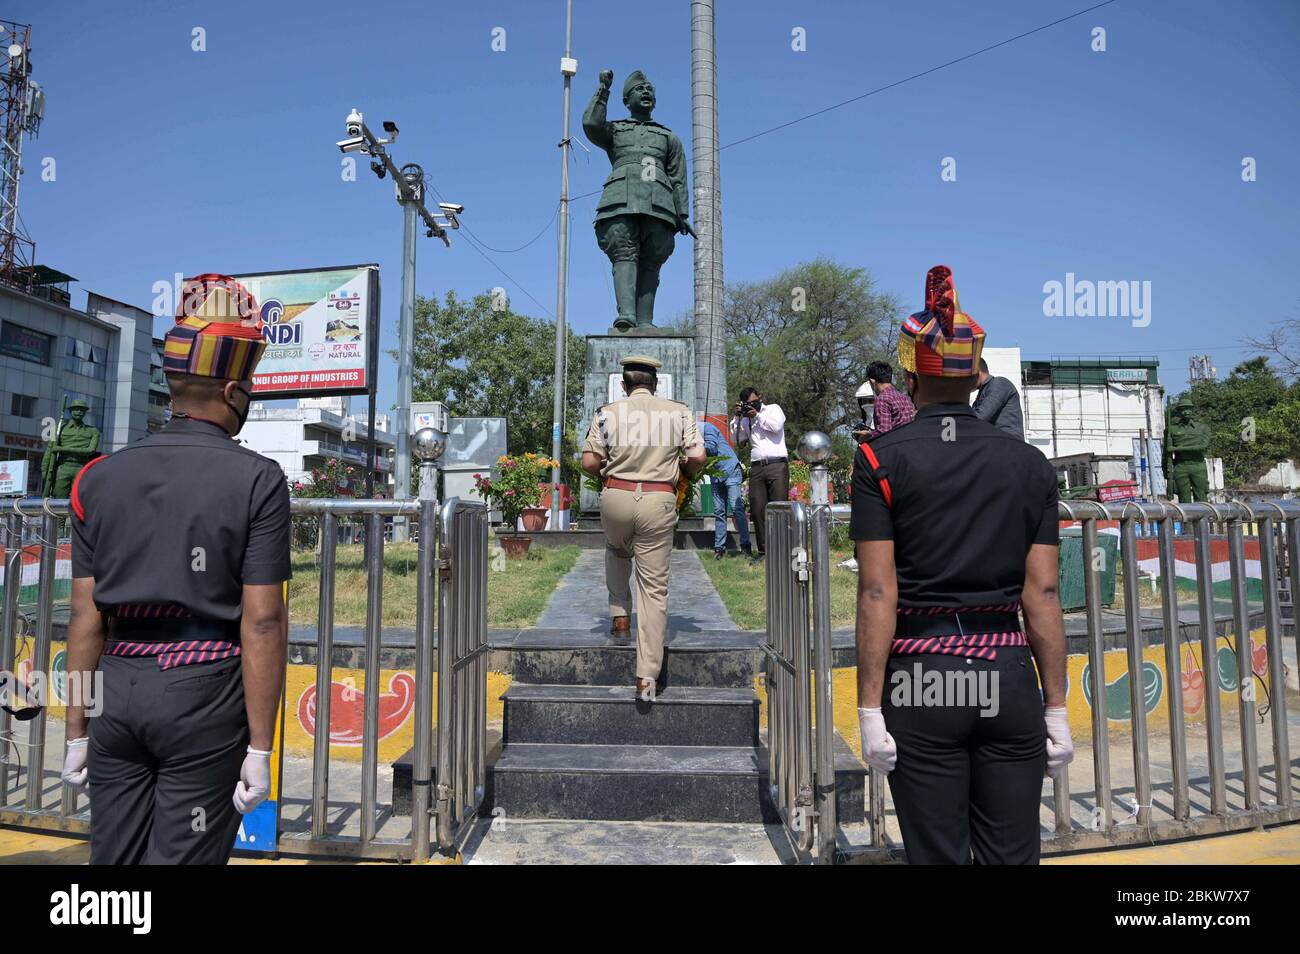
column 218, row 331
column 942, row 341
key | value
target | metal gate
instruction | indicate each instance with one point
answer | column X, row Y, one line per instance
column 787, row 672
column 462, row 667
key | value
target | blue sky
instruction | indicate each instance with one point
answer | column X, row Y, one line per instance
column 1123, row 165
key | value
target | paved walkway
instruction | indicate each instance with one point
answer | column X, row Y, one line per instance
column 581, row 603
column 613, row 843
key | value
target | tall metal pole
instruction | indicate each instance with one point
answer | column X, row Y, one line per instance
column 567, row 67
column 406, row 349
column 710, row 354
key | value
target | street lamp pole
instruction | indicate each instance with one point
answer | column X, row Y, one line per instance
column 568, row 68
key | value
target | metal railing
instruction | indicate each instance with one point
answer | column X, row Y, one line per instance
column 450, row 613
column 787, row 674
column 462, row 669
column 1084, row 821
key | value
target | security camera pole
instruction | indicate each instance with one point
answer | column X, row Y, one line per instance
column 409, row 180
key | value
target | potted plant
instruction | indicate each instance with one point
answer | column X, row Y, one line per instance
column 513, row 492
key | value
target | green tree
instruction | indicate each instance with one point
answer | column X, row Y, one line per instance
column 805, row 338
column 1254, row 419
column 483, row 359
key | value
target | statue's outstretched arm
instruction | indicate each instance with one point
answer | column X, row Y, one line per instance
column 594, row 123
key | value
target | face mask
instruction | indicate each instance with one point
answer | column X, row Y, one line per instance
column 242, row 416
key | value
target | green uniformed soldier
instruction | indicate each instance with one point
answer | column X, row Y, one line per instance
column 644, row 203
column 74, row 444
column 1186, row 442
column 639, row 447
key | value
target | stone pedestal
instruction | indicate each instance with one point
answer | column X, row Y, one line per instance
column 602, row 381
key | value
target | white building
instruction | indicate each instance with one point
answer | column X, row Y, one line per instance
column 1089, row 415
column 301, row 439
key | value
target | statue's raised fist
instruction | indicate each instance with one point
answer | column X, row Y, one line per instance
column 606, row 78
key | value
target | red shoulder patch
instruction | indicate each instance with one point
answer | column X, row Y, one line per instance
column 77, row 507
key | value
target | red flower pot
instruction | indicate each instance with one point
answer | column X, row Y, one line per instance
column 516, row 548
column 534, row 518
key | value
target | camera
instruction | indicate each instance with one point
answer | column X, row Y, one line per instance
column 354, row 123
column 753, row 404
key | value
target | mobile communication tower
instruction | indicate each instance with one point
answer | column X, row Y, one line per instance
column 22, row 104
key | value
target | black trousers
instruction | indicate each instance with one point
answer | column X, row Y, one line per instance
column 967, row 786
column 164, row 758
column 768, row 481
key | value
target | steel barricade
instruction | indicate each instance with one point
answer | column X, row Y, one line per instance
column 1189, row 806
column 47, row 804
column 462, row 668
column 788, row 672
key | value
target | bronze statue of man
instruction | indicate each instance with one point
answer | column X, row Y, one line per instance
column 645, row 203
column 75, row 443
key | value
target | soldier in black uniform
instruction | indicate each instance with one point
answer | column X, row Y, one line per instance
column 956, row 530
column 180, row 552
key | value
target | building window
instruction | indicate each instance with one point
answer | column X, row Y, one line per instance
column 84, row 358
column 22, row 405
column 25, row 344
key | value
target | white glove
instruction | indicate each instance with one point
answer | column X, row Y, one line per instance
column 75, row 770
column 254, row 781
column 878, row 746
column 1060, row 747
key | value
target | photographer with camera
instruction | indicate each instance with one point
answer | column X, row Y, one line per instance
column 762, row 426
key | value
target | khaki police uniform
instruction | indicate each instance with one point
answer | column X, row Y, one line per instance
column 641, row 439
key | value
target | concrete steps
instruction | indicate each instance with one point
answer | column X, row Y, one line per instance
column 611, row 715
column 577, row 744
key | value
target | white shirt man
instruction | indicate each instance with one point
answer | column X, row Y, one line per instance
column 762, row 427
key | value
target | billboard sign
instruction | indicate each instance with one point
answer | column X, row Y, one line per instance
column 13, row 478
column 475, row 440
column 321, row 330
column 1113, row 491
column 1130, row 375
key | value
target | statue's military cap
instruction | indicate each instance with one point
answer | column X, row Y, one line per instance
column 634, row 79
column 218, row 330
column 78, row 403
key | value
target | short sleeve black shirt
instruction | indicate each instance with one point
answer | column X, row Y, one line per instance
column 969, row 500
column 184, row 516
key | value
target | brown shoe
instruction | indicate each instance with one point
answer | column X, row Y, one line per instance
column 645, row 690
column 620, row 627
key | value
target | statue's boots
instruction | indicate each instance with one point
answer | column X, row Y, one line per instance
column 625, row 294
column 647, row 283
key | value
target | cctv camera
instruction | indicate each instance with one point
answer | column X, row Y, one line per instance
column 354, row 122
column 451, row 207
column 355, row 144
column 390, row 127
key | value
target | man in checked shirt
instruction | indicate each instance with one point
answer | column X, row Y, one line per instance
column 956, row 530
column 180, row 549
column 892, row 409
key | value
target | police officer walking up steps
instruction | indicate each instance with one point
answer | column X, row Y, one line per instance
column 639, row 447
column 956, row 530
column 180, row 550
